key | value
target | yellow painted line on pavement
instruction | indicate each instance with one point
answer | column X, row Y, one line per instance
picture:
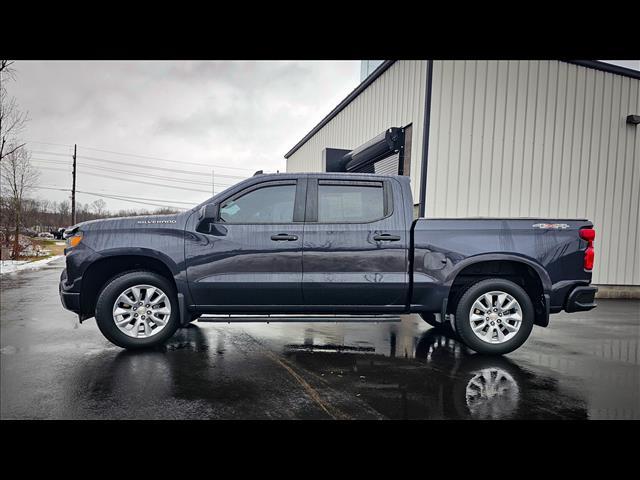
column 312, row 392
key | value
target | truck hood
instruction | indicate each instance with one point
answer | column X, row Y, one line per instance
column 127, row 222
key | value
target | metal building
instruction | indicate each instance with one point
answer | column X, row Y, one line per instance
column 504, row 139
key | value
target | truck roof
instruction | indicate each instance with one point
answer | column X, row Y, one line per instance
column 326, row 174
column 292, row 175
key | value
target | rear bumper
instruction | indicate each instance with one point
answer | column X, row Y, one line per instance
column 580, row 299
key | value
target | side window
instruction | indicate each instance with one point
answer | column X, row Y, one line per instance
column 269, row 204
column 350, row 203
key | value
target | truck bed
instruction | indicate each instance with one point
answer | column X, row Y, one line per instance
column 443, row 248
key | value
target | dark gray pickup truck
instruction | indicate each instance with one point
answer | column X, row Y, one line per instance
column 326, row 243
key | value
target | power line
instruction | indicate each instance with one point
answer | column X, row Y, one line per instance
column 237, row 177
column 127, row 172
column 174, row 170
column 61, row 162
column 46, row 160
column 133, row 181
column 41, row 160
column 148, row 175
column 165, row 159
column 53, row 188
column 58, row 169
column 146, row 156
column 57, row 187
column 156, row 177
column 49, row 143
column 134, row 201
column 51, row 160
column 117, row 197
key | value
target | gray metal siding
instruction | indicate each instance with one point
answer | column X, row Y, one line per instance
column 512, row 138
column 539, row 139
column 388, row 166
column 396, row 99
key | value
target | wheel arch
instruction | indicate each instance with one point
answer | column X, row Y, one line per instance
column 527, row 273
column 114, row 262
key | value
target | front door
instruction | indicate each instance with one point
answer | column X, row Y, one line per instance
column 252, row 253
column 355, row 244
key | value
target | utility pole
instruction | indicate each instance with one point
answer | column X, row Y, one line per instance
column 73, row 188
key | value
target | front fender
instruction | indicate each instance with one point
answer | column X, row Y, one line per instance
column 175, row 268
column 124, row 258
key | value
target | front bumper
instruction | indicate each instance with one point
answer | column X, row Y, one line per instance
column 580, row 299
column 70, row 300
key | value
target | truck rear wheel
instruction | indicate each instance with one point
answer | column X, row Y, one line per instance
column 494, row 316
column 137, row 309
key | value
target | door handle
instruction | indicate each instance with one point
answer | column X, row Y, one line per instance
column 385, row 237
column 283, row 237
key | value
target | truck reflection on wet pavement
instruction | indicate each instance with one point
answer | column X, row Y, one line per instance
column 584, row 366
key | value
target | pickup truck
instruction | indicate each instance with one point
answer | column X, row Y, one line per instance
column 339, row 243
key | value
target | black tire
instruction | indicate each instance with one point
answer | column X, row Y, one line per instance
column 108, row 296
column 463, row 327
column 430, row 318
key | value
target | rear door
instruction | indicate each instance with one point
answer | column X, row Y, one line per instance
column 252, row 253
column 355, row 243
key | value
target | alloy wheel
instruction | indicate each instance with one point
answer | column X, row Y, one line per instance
column 495, row 317
column 142, row 311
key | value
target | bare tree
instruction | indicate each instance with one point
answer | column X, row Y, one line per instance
column 18, row 178
column 12, row 119
column 39, row 215
column 64, row 207
column 99, row 207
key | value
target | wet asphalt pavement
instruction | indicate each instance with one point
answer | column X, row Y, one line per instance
column 585, row 366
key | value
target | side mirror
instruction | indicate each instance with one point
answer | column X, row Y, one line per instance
column 209, row 212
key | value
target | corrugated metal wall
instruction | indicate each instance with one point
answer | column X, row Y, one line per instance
column 512, row 138
column 387, row 166
column 540, row 139
column 395, row 99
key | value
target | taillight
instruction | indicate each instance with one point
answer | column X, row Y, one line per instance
column 588, row 234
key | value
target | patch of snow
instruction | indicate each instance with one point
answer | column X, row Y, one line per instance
column 30, row 251
column 10, row 266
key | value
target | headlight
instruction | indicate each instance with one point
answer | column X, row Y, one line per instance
column 74, row 239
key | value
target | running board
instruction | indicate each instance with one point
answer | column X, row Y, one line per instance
column 298, row 318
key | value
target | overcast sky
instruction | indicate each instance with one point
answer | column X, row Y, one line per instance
column 224, row 115
column 235, row 117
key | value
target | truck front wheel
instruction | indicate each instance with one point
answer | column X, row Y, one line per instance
column 137, row 309
column 494, row 316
